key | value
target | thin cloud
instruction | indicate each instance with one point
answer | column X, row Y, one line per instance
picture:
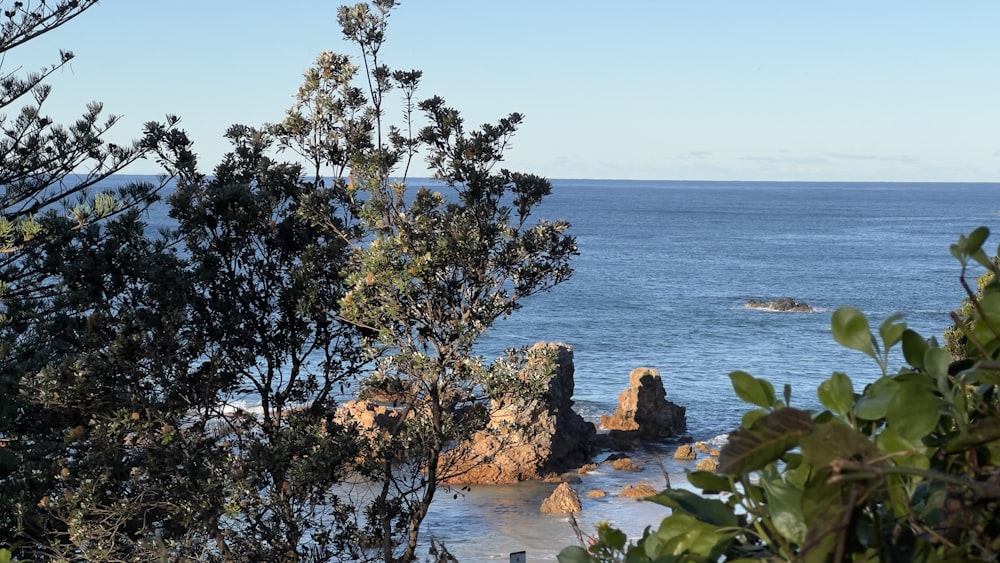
column 871, row 157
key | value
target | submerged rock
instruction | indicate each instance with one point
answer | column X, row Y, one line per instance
column 685, row 452
column 643, row 410
column 783, row 305
column 642, row 490
column 707, row 464
column 563, row 500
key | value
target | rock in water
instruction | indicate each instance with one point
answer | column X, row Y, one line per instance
column 527, row 437
column 686, row 452
column 643, row 410
column 563, row 500
column 642, row 490
column 784, row 305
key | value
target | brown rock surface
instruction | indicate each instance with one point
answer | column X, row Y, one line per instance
column 685, row 451
column 643, row 410
column 596, row 493
column 625, row 464
column 528, row 437
column 707, row 464
column 642, row 490
column 563, row 500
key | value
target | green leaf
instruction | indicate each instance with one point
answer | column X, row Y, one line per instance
column 707, row 510
column 752, row 416
column 710, row 481
column 913, row 411
column 784, row 502
column 891, row 443
column 850, row 330
column 835, row 440
column 750, row 449
column 823, row 508
column 892, row 330
column 755, row 391
column 936, row 361
column 974, row 246
column 874, row 403
column 683, row 534
column 837, row 393
column 612, row 537
column 914, row 348
column 574, row 554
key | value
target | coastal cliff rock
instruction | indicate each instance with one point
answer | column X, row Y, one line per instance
column 643, row 410
column 783, row 305
column 563, row 500
column 528, row 435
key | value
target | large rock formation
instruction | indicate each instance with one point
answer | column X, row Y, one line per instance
column 529, row 434
column 783, row 305
column 643, row 410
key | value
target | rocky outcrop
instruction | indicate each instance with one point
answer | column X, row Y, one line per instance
column 563, row 500
column 643, row 410
column 782, row 305
column 369, row 418
column 707, row 464
column 685, row 452
column 529, row 435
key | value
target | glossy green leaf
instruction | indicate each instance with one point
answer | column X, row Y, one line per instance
column 913, row 411
column 612, row 537
column 574, row 554
column 784, row 503
column 752, row 416
column 914, row 348
column 707, row 510
column 683, row 534
column 837, row 393
column 892, row 330
column 989, row 303
column 710, row 481
column 850, row 330
column 874, row 403
column 755, row 391
column 770, row 437
column 891, row 443
column 936, row 361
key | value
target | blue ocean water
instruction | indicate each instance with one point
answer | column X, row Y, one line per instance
column 663, row 273
column 665, row 268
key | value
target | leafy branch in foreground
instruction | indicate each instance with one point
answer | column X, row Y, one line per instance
column 904, row 469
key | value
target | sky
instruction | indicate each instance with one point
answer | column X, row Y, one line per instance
column 651, row 89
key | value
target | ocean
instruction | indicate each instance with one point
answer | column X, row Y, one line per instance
column 664, row 270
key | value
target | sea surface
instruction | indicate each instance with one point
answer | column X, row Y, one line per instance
column 663, row 273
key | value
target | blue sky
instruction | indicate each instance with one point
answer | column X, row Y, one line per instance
column 706, row 90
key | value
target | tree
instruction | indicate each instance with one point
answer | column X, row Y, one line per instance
column 428, row 274
column 265, row 291
column 73, row 272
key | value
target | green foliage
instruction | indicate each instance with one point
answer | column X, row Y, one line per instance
column 428, row 272
column 128, row 358
column 904, row 469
